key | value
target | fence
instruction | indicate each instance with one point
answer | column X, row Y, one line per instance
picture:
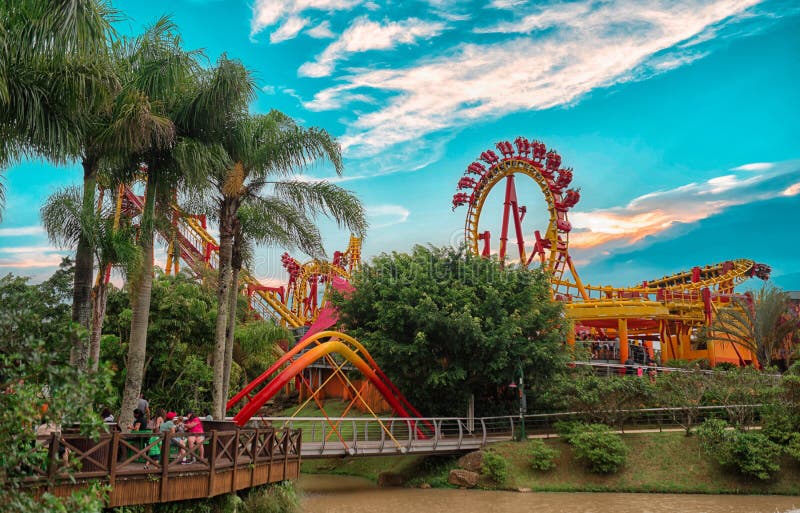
column 146, row 468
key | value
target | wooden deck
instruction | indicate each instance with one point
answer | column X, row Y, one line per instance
column 233, row 460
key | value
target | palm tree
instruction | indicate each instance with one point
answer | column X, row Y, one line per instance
column 113, row 245
column 761, row 324
column 52, row 71
column 127, row 123
column 266, row 150
column 160, row 71
column 202, row 107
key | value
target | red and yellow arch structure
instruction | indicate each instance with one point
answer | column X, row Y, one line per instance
column 336, row 349
column 668, row 310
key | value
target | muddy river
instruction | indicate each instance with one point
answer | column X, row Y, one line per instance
column 339, row 494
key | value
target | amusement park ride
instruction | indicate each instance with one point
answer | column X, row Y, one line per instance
column 668, row 310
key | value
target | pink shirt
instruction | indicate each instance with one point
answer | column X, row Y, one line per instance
column 194, row 426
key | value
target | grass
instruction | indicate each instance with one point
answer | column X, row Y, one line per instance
column 657, row 463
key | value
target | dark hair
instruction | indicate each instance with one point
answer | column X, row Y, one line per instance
column 137, row 412
column 105, row 413
column 161, row 413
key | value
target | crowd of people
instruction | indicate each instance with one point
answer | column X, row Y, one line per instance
column 187, row 432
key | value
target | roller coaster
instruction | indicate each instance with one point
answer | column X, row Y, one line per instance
column 294, row 305
column 668, row 310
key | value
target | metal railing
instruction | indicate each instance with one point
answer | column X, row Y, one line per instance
column 371, row 436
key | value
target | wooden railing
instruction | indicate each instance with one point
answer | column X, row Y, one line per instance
column 146, row 468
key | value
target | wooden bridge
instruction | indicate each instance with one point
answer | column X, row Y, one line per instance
column 139, row 470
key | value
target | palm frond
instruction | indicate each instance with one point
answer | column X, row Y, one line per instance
column 327, row 199
column 272, row 221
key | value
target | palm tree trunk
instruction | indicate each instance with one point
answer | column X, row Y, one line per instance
column 84, row 261
column 236, row 266
column 220, row 336
column 98, row 316
column 141, row 287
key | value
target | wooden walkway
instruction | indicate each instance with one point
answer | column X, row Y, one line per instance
column 137, row 471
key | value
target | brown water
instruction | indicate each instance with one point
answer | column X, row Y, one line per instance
column 339, row 494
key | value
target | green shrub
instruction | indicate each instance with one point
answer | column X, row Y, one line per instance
column 748, row 452
column 793, row 446
column 566, row 428
column 278, row 498
column 495, row 467
column 600, row 449
column 541, row 455
column 777, row 423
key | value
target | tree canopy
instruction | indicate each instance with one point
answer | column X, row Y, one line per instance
column 445, row 325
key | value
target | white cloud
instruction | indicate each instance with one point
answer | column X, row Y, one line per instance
column 21, row 231
column 656, row 212
column 577, row 48
column 755, row 166
column 267, row 13
column 792, row 190
column 364, row 35
column 321, row 31
column 289, row 29
column 268, row 89
column 382, row 216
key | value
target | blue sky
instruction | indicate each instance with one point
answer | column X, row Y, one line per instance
column 680, row 119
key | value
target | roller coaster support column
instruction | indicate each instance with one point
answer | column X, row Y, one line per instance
column 622, row 331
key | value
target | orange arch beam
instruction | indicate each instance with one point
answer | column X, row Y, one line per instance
column 291, row 353
column 333, row 346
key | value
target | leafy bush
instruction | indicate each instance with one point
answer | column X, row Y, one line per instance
column 777, row 422
column 600, row 448
column 748, row 452
column 278, row 498
column 566, row 428
column 495, row 467
column 793, row 447
column 541, row 455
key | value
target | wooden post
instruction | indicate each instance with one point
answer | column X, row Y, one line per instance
column 212, row 463
column 165, row 446
column 235, row 460
column 255, row 460
column 112, row 464
column 270, row 450
column 299, row 450
column 286, row 436
column 52, row 456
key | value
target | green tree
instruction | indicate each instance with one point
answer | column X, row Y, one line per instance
column 762, row 323
column 607, row 400
column 37, row 381
column 256, row 349
column 445, row 325
column 179, row 341
column 684, row 393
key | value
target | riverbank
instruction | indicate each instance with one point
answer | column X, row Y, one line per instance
column 656, row 463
